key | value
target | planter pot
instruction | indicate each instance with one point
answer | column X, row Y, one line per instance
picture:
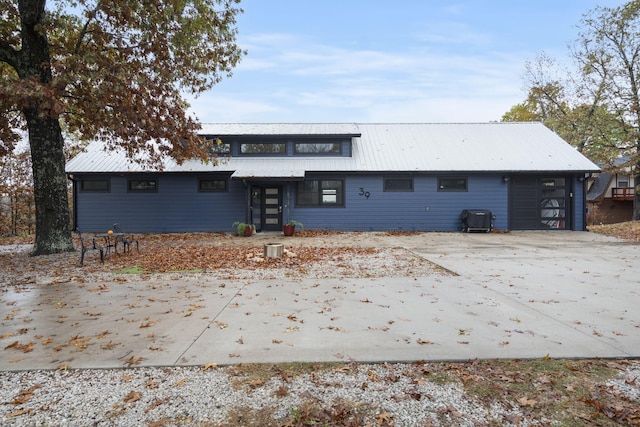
column 288, row 230
column 248, row 231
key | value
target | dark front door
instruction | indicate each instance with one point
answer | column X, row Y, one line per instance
column 272, row 208
column 539, row 203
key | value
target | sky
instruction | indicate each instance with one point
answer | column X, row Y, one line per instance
column 423, row 61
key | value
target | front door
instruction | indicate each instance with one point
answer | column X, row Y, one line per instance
column 272, row 208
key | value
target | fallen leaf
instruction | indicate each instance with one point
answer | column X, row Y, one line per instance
column 525, row 401
column 384, row 419
column 18, row 413
column 25, row 348
column 209, row 366
column 220, row 324
column 134, row 396
column 134, row 361
column 25, row 395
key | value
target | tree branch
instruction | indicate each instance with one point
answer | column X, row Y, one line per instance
column 9, row 55
column 91, row 15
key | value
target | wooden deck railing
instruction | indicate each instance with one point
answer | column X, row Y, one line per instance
column 622, row 193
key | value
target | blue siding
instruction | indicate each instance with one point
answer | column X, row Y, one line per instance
column 176, row 206
column 423, row 209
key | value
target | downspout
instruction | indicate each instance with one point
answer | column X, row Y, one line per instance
column 584, row 200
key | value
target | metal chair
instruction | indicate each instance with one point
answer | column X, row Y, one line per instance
column 126, row 240
column 86, row 246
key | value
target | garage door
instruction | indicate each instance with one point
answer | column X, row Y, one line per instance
column 539, row 203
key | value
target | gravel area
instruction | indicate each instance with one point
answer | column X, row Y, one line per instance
column 386, row 395
column 196, row 396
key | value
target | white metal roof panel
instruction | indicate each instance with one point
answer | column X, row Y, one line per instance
column 439, row 147
column 264, row 173
column 278, row 129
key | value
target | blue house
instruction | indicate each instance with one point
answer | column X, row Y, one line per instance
column 342, row 177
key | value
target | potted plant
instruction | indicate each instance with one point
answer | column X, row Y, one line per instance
column 290, row 228
column 243, row 229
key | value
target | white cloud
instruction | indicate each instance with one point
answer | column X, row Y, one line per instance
column 211, row 108
column 289, row 78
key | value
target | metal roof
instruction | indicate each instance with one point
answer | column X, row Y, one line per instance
column 393, row 147
column 279, row 129
column 599, row 187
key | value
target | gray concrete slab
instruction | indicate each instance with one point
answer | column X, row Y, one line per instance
column 513, row 295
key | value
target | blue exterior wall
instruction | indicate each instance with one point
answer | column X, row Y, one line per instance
column 177, row 206
column 424, row 209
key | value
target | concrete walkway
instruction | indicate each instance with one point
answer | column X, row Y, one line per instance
column 513, row 295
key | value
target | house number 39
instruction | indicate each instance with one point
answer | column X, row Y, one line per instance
column 366, row 194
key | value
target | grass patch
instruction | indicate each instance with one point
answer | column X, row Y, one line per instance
column 252, row 375
column 558, row 390
column 135, row 269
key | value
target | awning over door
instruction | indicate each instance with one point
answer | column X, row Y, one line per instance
column 292, row 175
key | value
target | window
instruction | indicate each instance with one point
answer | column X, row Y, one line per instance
column 320, row 193
column 623, row 180
column 316, row 148
column 207, row 185
column 95, row 185
column 263, row 148
column 143, row 185
column 219, row 147
column 452, row 184
column 398, row 184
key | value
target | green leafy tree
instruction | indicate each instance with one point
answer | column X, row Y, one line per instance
column 608, row 54
column 596, row 107
column 559, row 101
column 113, row 70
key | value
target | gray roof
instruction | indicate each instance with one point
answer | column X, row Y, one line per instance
column 404, row 147
column 599, row 187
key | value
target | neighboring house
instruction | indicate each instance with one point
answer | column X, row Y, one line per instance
column 610, row 195
column 343, row 177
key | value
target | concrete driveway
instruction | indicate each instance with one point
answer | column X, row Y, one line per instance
column 512, row 295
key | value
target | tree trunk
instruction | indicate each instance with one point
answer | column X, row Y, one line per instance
column 53, row 224
column 53, row 228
